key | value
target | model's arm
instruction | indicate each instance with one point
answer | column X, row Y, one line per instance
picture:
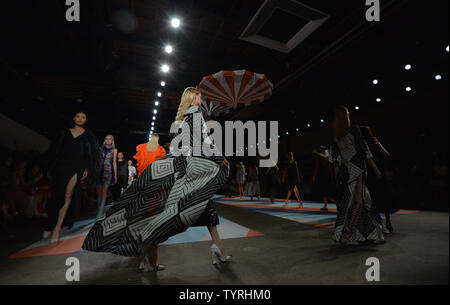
column 115, row 164
column 383, row 150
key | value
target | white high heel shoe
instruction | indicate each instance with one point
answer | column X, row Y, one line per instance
column 216, row 253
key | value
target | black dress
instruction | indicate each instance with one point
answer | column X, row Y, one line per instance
column 208, row 218
column 382, row 191
column 122, row 179
column 69, row 156
column 292, row 178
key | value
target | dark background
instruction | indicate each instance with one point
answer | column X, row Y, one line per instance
column 51, row 68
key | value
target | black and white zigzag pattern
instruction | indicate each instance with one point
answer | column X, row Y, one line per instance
column 352, row 152
column 164, row 201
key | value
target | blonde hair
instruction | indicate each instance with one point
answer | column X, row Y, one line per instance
column 186, row 101
column 113, row 143
column 341, row 122
column 153, row 143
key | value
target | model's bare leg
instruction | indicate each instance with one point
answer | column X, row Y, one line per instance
column 325, row 204
column 153, row 255
column 288, row 197
column 104, row 194
column 297, row 194
column 388, row 222
column 62, row 212
column 216, row 239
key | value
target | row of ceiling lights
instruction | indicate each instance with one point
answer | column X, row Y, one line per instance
column 165, row 68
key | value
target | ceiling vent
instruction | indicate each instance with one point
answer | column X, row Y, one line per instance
column 283, row 24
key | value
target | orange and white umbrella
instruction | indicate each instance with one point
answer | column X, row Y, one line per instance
column 235, row 88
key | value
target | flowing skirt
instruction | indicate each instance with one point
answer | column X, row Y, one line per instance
column 166, row 199
column 368, row 221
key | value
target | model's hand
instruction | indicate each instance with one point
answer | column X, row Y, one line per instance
column 85, row 174
column 225, row 162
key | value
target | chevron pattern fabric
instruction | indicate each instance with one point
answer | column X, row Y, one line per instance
column 166, row 199
column 352, row 153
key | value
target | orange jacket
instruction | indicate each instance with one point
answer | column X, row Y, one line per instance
column 145, row 158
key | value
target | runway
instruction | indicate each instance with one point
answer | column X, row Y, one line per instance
column 271, row 244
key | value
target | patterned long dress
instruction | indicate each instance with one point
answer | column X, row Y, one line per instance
column 107, row 170
column 352, row 153
column 165, row 200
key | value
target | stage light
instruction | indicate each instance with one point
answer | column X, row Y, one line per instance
column 154, row 118
column 297, row 130
column 308, row 125
column 153, row 123
column 175, row 22
column 408, row 89
column 375, row 81
column 155, row 111
column 163, row 84
column 438, row 77
column 408, row 67
column 156, row 103
column 168, row 49
column 321, row 121
column 287, row 133
column 378, row 100
column 446, row 49
column 356, row 108
column 165, row 68
column 159, row 94
column 153, row 128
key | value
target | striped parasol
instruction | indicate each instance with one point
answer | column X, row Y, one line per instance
column 235, row 88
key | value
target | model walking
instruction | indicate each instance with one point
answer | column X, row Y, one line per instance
column 241, row 176
column 292, row 179
column 71, row 158
column 122, row 176
column 357, row 219
column 322, row 180
column 108, row 172
column 167, row 198
column 252, row 188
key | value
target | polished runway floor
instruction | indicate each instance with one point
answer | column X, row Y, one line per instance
column 270, row 243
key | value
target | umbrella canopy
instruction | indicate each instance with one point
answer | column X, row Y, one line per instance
column 235, row 88
column 211, row 109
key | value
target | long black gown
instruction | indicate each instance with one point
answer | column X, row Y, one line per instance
column 69, row 156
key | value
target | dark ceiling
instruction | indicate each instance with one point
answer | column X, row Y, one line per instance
column 108, row 64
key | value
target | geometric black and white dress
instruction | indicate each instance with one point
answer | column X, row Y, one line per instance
column 165, row 200
column 351, row 152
